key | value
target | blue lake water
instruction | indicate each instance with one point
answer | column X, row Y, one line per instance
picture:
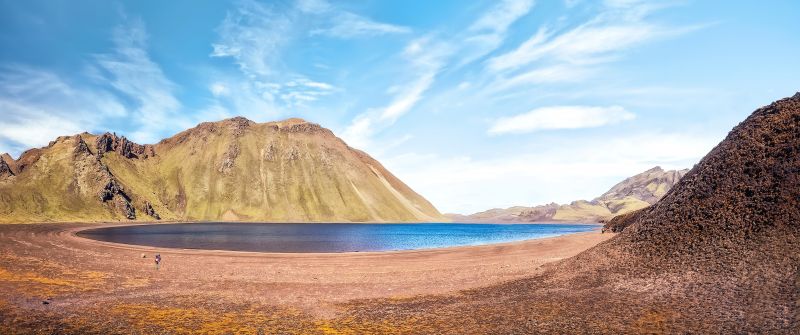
column 325, row 237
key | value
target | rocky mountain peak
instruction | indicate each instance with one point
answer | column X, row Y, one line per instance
column 9, row 162
column 5, row 169
column 109, row 142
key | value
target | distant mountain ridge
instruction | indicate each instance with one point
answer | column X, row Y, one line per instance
column 631, row 194
column 234, row 169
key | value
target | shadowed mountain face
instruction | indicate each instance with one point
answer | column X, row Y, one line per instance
column 631, row 194
column 727, row 236
column 233, row 169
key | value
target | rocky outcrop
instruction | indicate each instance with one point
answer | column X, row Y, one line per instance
column 80, row 147
column 5, row 169
column 114, row 193
column 28, row 158
column 148, row 209
column 10, row 162
column 228, row 158
column 109, row 142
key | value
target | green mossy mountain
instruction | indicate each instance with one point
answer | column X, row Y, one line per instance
column 231, row 170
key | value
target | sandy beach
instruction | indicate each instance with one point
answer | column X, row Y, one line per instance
column 49, row 276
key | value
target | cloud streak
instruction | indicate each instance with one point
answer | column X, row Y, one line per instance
column 561, row 117
column 39, row 105
column 134, row 74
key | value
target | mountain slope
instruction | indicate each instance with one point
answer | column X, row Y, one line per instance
column 233, row 169
column 631, row 194
column 727, row 236
column 718, row 254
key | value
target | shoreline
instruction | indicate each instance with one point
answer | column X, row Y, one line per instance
column 81, row 276
column 73, row 234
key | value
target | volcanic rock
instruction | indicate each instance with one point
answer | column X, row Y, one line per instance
column 724, row 244
column 111, row 142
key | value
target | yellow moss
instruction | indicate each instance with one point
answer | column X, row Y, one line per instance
column 654, row 322
column 41, row 286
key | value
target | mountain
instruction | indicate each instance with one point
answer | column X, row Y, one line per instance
column 631, row 194
column 233, row 169
column 726, row 239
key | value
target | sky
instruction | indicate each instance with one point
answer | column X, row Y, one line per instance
column 474, row 104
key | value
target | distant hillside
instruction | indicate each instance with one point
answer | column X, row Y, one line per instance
column 631, row 194
column 233, row 169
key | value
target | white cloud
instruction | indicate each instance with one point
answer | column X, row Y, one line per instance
column 550, row 56
column 253, row 35
column 561, row 117
column 588, row 43
column 219, row 89
column 425, row 58
column 358, row 134
column 343, row 24
column 567, row 170
column 544, row 75
column 134, row 74
column 39, row 105
column 488, row 32
column 349, row 25
column 500, row 17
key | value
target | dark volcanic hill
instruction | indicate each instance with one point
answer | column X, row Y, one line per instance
column 718, row 254
column 726, row 239
column 233, row 169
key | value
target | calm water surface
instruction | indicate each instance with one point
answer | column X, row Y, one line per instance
column 325, row 237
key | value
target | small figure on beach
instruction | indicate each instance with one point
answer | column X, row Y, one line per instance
column 158, row 260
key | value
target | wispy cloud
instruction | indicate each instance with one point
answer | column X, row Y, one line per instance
column 131, row 71
column 561, row 117
column 551, row 56
column 344, row 24
column 489, row 31
column 349, row 25
column 425, row 58
column 253, row 34
column 39, row 105
column 256, row 35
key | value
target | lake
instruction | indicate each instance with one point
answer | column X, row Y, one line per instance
column 325, row 237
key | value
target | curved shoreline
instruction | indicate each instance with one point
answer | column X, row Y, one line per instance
column 43, row 261
column 73, row 233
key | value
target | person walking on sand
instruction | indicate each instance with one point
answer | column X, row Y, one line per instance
column 158, row 260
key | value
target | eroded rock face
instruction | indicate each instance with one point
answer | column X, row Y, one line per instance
column 28, row 158
column 115, row 193
column 80, row 146
column 5, row 169
column 229, row 158
column 148, row 209
column 111, row 142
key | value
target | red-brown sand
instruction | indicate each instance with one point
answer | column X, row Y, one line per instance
column 81, row 276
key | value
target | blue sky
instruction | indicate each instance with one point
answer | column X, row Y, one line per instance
column 474, row 104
